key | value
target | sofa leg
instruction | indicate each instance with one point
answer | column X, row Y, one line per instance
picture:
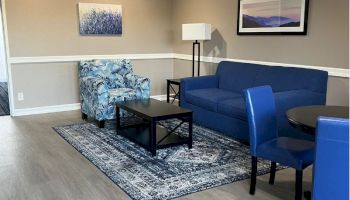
column 84, row 116
column 101, row 124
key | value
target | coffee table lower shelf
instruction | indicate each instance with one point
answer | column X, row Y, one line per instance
column 141, row 136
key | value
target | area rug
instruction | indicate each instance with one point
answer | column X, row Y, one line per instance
column 213, row 161
column 4, row 99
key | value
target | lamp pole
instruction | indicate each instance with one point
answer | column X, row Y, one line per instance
column 196, row 43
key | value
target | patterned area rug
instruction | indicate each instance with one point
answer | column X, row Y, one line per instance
column 215, row 160
column 4, row 99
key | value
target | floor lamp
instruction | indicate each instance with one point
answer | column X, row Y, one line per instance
column 196, row 32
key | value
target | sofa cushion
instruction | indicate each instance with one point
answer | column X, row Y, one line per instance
column 233, row 108
column 209, row 98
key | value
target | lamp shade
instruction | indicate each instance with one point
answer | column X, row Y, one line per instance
column 197, row 31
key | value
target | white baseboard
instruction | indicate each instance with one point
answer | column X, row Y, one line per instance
column 60, row 108
column 46, row 109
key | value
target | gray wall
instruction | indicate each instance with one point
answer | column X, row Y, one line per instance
column 325, row 45
column 57, row 83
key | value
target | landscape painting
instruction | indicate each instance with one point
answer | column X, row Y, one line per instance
column 100, row 19
column 272, row 17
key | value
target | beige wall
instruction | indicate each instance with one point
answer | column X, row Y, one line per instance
column 51, row 28
column 326, row 44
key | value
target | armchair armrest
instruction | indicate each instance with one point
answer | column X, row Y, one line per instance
column 194, row 83
column 140, row 84
column 93, row 89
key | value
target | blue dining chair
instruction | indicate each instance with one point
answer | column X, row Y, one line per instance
column 331, row 167
column 265, row 142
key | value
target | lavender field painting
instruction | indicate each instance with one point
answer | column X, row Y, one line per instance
column 272, row 15
column 100, row 19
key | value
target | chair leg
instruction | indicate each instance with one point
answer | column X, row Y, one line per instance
column 253, row 175
column 101, row 124
column 84, row 116
column 298, row 184
column 272, row 173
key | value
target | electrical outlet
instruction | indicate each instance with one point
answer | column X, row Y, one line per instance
column 20, row 96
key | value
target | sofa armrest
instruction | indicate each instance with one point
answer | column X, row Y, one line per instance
column 194, row 83
column 94, row 90
column 142, row 85
column 290, row 99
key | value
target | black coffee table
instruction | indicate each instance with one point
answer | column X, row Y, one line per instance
column 147, row 133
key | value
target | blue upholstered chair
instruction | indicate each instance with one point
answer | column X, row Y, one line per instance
column 105, row 82
column 331, row 168
column 265, row 143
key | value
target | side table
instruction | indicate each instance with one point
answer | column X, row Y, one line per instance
column 176, row 95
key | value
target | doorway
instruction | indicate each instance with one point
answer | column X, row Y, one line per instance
column 4, row 94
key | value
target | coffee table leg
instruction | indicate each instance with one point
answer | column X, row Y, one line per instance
column 168, row 92
column 153, row 137
column 118, row 117
column 190, row 124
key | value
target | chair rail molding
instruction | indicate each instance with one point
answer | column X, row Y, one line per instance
column 337, row 72
column 77, row 58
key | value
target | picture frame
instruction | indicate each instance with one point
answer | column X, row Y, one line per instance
column 100, row 19
column 272, row 17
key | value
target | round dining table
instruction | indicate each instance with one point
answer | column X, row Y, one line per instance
column 305, row 119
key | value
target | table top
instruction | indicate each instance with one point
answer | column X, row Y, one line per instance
column 152, row 108
column 305, row 117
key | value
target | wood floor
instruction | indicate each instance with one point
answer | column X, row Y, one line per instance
column 36, row 163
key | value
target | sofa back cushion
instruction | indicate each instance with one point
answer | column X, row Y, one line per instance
column 236, row 77
column 291, row 78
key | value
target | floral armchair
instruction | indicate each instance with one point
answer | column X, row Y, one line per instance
column 105, row 82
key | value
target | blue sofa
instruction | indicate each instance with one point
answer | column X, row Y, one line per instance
column 217, row 101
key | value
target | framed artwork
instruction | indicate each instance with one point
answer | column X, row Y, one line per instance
column 100, row 19
column 272, row 17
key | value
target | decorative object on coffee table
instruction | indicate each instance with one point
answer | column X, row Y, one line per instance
column 147, row 134
column 196, row 32
column 272, row 17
